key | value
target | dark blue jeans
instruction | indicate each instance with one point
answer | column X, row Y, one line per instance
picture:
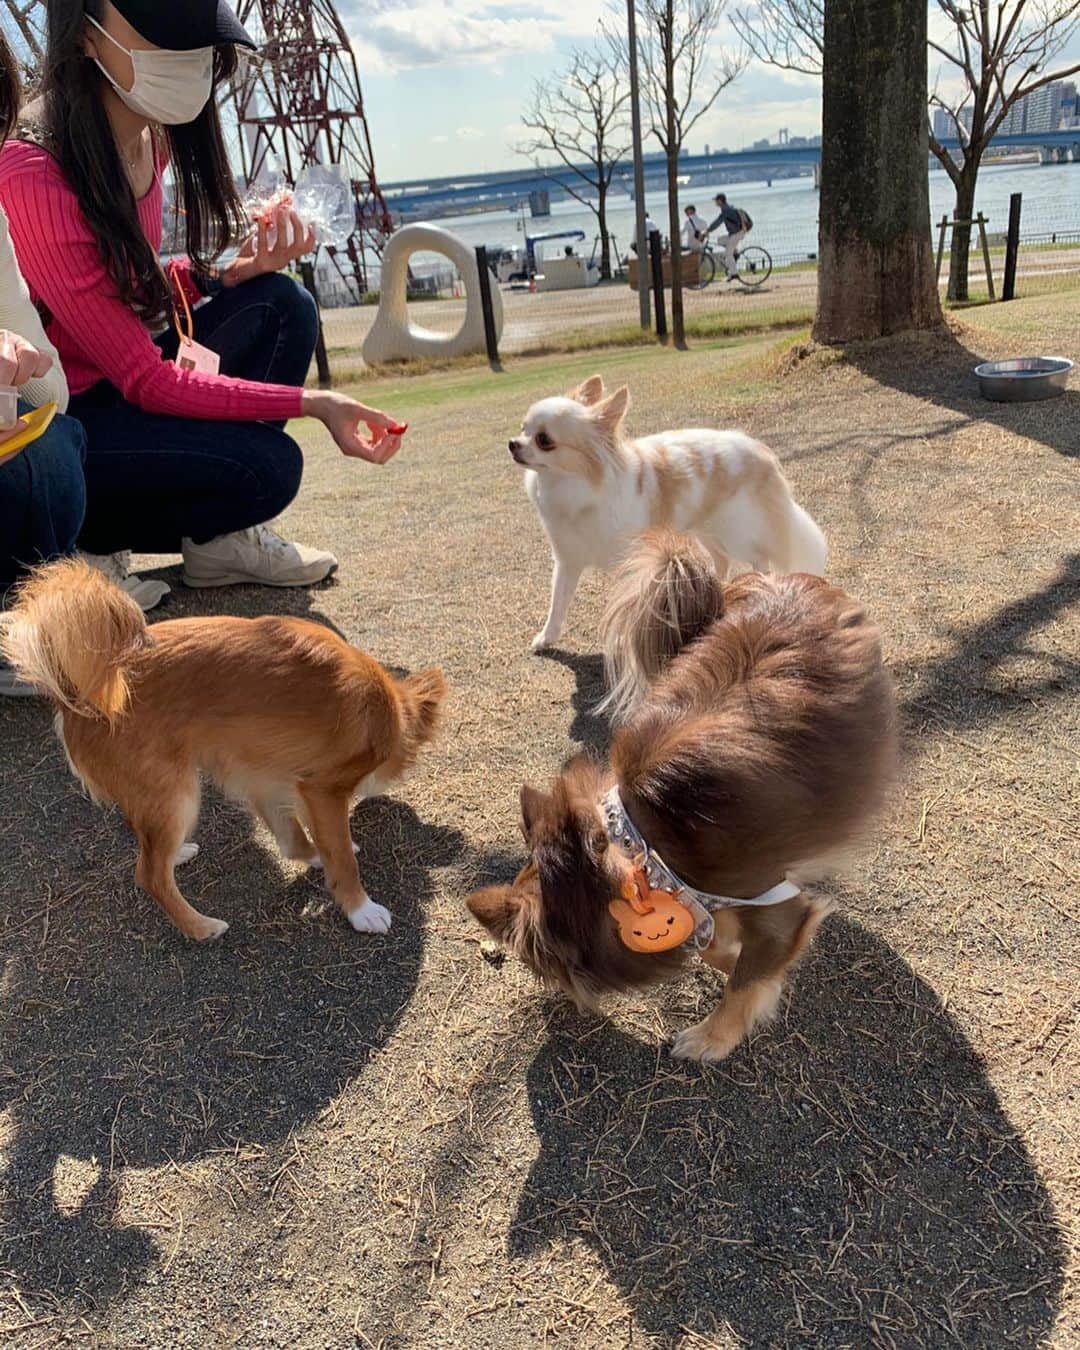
column 42, row 499
column 152, row 480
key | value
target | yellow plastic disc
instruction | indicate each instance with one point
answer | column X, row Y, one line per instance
column 27, row 430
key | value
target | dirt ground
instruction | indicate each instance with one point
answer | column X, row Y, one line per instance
column 303, row 1136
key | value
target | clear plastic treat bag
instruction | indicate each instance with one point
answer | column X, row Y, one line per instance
column 322, row 197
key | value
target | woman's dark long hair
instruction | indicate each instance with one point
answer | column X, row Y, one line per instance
column 10, row 89
column 79, row 133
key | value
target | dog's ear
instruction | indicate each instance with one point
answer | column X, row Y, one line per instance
column 612, row 410
column 534, row 804
column 495, row 908
column 589, row 393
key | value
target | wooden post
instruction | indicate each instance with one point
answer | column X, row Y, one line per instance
column 491, row 340
column 656, row 255
column 1012, row 247
column 981, row 221
column 639, row 162
column 941, row 246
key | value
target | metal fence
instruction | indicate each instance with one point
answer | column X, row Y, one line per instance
column 539, row 320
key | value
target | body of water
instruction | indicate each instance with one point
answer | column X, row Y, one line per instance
column 785, row 215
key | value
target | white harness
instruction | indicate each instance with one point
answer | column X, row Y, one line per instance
column 621, row 830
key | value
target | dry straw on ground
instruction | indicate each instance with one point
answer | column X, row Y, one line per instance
column 310, row 1138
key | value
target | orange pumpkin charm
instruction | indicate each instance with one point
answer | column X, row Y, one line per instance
column 648, row 920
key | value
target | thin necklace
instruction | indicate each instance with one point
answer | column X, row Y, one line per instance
column 133, row 164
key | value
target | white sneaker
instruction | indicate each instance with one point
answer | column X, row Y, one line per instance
column 145, row 591
column 256, row 555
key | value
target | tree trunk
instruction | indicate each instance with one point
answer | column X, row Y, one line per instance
column 961, row 235
column 673, row 145
column 601, row 220
column 876, row 271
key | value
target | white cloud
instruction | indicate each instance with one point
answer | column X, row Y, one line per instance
column 469, row 134
column 463, row 32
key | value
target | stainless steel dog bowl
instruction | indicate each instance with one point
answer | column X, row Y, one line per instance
column 1024, row 378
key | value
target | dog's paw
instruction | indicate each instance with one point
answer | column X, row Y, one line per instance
column 185, row 853
column 370, row 918
column 543, row 640
column 206, row 930
column 705, row 1043
column 493, row 952
column 316, row 860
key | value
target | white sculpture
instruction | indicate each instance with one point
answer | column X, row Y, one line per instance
column 393, row 335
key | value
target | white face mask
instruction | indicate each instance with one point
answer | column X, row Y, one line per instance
column 170, row 87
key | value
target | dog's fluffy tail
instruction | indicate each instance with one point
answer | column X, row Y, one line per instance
column 804, row 549
column 71, row 635
column 424, row 693
column 665, row 593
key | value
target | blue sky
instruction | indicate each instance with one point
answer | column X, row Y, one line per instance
column 445, row 82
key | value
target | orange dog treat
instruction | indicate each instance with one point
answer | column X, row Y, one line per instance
column 648, row 920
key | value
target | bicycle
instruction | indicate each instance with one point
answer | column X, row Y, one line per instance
column 753, row 266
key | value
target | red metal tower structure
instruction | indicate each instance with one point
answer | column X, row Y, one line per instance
column 299, row 102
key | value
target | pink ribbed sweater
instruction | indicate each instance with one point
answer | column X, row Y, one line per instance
column 96, row 334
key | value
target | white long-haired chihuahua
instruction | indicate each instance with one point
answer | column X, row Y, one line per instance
column 596, row 491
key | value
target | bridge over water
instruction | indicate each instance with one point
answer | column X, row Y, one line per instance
column 433, row 197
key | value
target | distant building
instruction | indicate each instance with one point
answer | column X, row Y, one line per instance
column 1046, row 109
column 763, row 144
column 943, row 124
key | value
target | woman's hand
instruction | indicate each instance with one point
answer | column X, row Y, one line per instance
column 20, row 361
column 257, row 256
column 342, row 417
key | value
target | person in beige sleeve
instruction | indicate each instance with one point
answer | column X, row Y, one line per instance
column 42, row 493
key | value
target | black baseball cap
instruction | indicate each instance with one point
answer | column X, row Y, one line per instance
column 183, row 25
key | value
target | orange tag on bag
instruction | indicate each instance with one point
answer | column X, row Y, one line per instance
column 648, row 920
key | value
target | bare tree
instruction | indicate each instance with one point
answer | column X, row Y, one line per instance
column 876, row 274
column 682, row 78
column 1002, row 50
column 28, row 43
column 581, row 117
column 784, row 33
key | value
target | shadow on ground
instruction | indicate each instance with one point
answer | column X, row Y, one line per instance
column 999, row 667
column 122, row 1046
column 588, row 727
column 939, row 369
column 850, row 1178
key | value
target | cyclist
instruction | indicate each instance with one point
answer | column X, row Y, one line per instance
column 738, row 225
column 694, row 230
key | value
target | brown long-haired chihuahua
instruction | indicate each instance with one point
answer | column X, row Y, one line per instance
column 756, row 740
column 282, row 713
